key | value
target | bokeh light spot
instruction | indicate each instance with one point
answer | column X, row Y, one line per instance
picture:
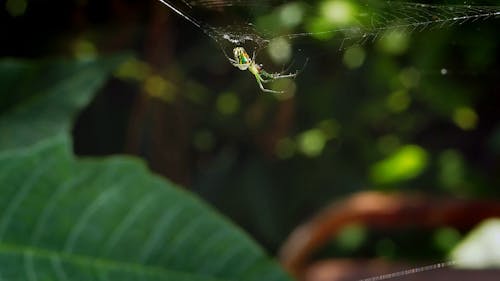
column 84, row 50
column 280, row 50
column 16, row 7
column 451, row 169
column 352, row 237
column 406, row 163
column 228, row 103
column 337, row 11
column 330, row 128
column 287, row 85
column 398, row 101
column 354, row 57
column 409, row 77
column 317, row 25
column 465, row 118
column 446, row 238
column 291, row 14
column 156, row 86
column 312, row 142
column 394, row 42
column 133, row 69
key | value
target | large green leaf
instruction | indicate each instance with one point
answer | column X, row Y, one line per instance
column 63, row 218
column 39, row 99
column 69, row 219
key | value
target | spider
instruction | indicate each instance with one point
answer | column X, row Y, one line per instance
column 243, row 61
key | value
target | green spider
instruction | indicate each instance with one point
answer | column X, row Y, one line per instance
column 243, row 61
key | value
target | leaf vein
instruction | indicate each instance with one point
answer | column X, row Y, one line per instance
column 127, row 221
column 58, row 268
column 19, row 197
column 51, row 205
column 103, row 197
column 29, row 266
column 154, row 238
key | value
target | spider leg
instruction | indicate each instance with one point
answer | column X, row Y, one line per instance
column 266, row 80
column 281, row 76
column 274, row 76
column 260, row 80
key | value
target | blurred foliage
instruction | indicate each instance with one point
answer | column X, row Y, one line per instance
column 409, row 112
column 41, row 100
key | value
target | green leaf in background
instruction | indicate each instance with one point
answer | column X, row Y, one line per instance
column 63, row 218
column 40, row 99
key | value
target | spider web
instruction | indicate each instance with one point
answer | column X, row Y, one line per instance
column 234, row 23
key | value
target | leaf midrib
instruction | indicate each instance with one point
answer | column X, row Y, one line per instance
column 97, row 262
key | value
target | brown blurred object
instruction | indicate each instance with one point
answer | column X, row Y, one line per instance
column 382, row 211
column 159, row 131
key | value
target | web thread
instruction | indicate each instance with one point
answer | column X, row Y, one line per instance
column 410, row 271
